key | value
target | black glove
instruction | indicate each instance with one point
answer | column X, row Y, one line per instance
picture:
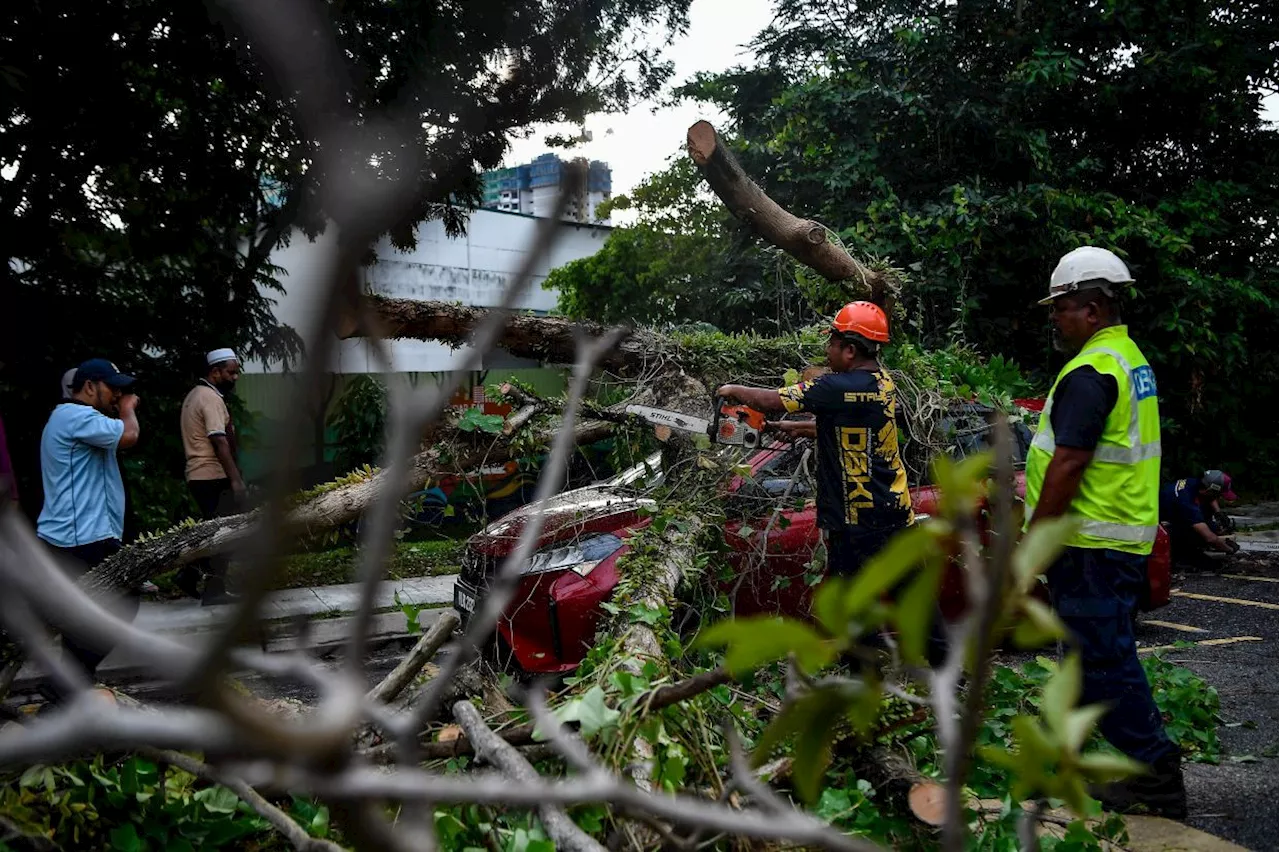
column 1233, row 546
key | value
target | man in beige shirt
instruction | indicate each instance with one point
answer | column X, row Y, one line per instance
column 209, row 443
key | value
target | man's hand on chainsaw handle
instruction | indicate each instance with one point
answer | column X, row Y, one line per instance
column 761, row 399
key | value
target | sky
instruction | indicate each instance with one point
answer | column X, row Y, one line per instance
column 642, row 140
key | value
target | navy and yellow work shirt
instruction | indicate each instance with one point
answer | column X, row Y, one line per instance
column 861, row 480
column 1180, row 502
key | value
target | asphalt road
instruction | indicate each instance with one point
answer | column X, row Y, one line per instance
column 1236, row 799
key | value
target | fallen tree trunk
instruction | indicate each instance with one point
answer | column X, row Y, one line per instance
column 339, row 505
column 803, row 239
column 552, row 340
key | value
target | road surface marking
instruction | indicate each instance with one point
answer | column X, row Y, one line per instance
column 1185, row 628
column 1217, row 599
column 1255, row 579
column 1205, row 643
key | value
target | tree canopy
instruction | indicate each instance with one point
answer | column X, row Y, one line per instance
column 973, row 144
column 150, row 166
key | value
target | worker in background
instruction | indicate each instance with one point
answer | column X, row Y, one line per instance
column 82, row 520
column 1096, row 456
column 212, row 473
column 68, row 379
column 1190, row 510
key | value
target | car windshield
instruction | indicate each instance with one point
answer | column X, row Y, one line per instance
column 640, row 477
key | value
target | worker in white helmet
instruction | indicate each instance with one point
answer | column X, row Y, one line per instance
column 1096, row 457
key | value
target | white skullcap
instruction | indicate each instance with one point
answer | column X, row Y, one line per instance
column 217, row 356
column 67, row 378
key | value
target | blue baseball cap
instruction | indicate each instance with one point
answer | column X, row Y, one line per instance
column 101, row 370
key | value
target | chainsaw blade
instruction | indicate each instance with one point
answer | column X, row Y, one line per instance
column 673, row 419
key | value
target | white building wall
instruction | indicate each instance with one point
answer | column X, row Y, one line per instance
column 472, row 269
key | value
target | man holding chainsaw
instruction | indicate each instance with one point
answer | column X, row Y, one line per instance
column 862, row 484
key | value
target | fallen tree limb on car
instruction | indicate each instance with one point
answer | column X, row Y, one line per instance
column 343, row 503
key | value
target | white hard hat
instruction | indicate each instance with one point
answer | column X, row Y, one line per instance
column 1087, row 265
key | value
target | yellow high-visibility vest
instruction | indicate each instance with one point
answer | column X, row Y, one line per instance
column 1118, row 501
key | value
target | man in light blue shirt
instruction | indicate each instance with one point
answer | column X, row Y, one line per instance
column 82, row 520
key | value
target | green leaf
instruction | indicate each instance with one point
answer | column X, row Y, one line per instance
column 761, row 639
column 1103, row 766
column 124, row 838
column 814, row 721
column 475, row 420
column 1079, row 724
column 1039, row 547
column 639, row 613
column 1039, row 625
column 1061, row 694
column 591, row 712
column 915, row 612
column 218, row 800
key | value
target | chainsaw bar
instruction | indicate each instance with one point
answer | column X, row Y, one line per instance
column 725, row 430
column 674, row 419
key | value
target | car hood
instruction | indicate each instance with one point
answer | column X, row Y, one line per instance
column 595, row 508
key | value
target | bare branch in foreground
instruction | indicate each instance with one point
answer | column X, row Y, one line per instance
column 493, row 750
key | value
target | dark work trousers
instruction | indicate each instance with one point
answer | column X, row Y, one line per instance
column 78, row 561
column 1095, row 592
column 1187, row 548
column 848, row 549
column 215, row 499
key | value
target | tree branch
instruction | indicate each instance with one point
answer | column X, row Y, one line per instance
column 492, row 749
column 803, row 239
column 395, row 682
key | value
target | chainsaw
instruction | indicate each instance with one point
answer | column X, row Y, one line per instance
column 736, row 425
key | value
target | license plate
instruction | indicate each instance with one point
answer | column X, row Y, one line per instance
column 464, row 599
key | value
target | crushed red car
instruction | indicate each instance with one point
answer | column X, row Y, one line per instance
column 553, row 618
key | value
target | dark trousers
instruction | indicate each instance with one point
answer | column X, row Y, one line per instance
column 1095, row 592
column 1187, row 548
column 848, row 550
column 78, row 561
column 215, row 499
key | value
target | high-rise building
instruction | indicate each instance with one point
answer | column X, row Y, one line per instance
column 532, row 189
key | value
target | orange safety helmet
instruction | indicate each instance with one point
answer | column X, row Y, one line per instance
column 863, row 319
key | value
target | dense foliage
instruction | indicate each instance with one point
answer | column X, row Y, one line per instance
column 974, row 144
column 149, row 167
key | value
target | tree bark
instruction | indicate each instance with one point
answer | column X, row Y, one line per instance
column 803, row 239
column 551, row 340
